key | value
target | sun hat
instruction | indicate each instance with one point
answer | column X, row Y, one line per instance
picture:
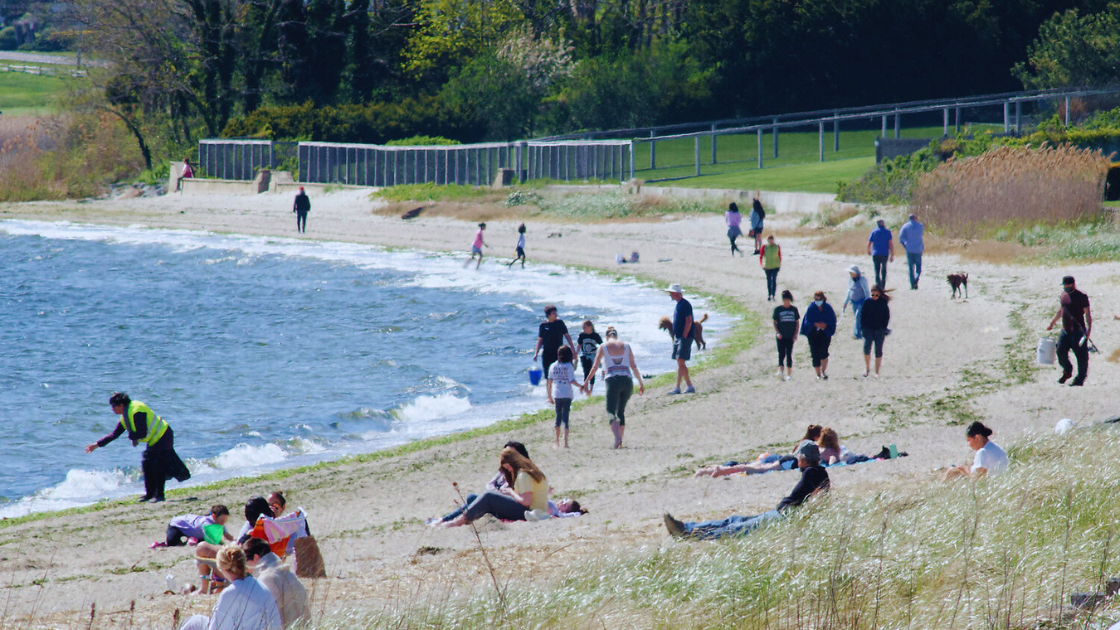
column 674, row 288
column 810, row 452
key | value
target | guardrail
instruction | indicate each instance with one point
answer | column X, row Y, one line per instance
column 50, row 70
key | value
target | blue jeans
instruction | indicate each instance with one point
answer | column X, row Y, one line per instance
column 730, row 526
column 914, row 262
column 459, row 510
column 857, row 311
column 500, row 505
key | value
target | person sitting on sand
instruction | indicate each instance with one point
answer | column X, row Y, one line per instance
column 829, row 444
column 814, row 479
column 285, row 587
column 212, row 579
column 766, row 462
column 990, row 459
column 244, row 605
column 187, row 529
column 527, row 491
column 495, row 485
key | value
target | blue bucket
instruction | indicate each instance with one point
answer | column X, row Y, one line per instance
column 535, row 375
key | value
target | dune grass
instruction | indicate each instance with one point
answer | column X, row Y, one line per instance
column 1004, row 552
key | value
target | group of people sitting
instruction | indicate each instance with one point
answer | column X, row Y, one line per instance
column 258, row 590
column 519, row 492
column 826, row 439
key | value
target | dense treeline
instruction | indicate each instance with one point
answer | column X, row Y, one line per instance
column 371, row 70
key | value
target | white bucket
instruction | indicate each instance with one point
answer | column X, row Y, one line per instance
column 1047, row 351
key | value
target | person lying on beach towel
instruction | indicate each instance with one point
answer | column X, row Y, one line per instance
column 766, row 462
column 814, row 480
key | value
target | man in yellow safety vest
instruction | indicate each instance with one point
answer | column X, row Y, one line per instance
column 142, row 424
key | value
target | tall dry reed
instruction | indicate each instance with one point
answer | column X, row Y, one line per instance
column 21, row 175
column 1011, row 186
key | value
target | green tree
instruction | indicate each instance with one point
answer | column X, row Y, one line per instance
column 1074, row 50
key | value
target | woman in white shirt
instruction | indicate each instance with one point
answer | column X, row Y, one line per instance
column 243, row 605
column 990, row 459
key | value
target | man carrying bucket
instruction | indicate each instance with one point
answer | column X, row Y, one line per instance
column 1077, row 323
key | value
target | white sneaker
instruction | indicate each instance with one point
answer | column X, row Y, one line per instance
column 786, row 377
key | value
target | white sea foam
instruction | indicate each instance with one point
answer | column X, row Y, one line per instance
column 248, row 456
column 427, row 408
column 80, row 487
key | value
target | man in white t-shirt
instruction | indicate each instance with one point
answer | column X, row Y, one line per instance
column 990, row 459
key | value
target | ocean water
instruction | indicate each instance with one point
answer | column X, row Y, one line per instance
column 266, row 352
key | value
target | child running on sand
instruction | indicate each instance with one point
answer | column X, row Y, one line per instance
column 560, row 377
column 520, row 247
column 190, row 526
column 476, row 247
column 588, row 342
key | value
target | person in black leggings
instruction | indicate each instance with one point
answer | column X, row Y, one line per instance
column 787, row 320
column 875, row 318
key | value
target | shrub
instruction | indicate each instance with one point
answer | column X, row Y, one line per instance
column 422, row 141
column 1012, row 186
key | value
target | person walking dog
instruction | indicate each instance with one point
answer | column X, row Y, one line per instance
column 910, row 236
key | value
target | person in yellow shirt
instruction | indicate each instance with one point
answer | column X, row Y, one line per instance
column 160, row 461
column 527, row 491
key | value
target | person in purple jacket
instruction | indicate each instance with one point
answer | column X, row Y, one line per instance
column 187, row 529
column 818, row 326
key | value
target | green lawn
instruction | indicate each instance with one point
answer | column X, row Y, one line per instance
column 29, row 94
column 816, row 177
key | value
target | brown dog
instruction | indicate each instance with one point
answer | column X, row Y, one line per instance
column 666, row 323
column 958, row 281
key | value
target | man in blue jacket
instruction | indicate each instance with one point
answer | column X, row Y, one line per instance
column 911, row 238
column 880, row 246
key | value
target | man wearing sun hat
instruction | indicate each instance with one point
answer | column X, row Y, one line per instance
column 683, row 334
column 1077, row 323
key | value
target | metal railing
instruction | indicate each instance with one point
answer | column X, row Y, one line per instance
column 235, row 159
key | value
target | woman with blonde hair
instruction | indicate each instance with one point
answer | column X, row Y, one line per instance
column 527, row 491
column 618, row 363
column 244, row 605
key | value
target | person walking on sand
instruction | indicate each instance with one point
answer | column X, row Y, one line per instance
column 910, row 237
column 520, row 247
column 787, row 319
column 733, row 220
column 875, row 316
column 551, row 335
column 818, row 327
column 476, row 247
column 880, row 247
column 770, row 258
column 683, row 334
column 301, row 207
column 758, row 216
column 159, row 460
column 560, row 377
column 588, row 342
column 858, row 292
column 618, row 362
column 1077, row 324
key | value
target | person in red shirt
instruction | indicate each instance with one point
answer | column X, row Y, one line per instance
column 1077, row 323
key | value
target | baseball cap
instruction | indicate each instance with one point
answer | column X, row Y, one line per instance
column 674, row 288
column 1067, row 280
column 810, row 452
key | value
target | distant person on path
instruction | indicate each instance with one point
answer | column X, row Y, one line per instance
column 990, row 459
column 1077, row 324
column 880, row 246
column 858, row 293
column 770, row 258
column 559, row 389
column 786, row 322
column 683, row 334
column 160, row 460
column 588, row 343
column 520, row 247
column 301, row 207
column 618, row 362
column 552, row 334
column 875, row 318
column 476, row 246
column 758, row 216
column 818, row 327
column 910, row 236
column 814, row 480
column 733, row 220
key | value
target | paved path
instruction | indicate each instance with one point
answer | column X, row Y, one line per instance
column 24, row 57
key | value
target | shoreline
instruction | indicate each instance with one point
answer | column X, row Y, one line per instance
column 946, row 359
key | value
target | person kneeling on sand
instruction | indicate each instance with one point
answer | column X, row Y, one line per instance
column 814, row 479
column 285, row 587
column 527, row 492
column 990, row 459
column 190, row 527
column 244, row 605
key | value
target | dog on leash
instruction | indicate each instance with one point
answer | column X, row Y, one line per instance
column 958, row 281
column 666, row 324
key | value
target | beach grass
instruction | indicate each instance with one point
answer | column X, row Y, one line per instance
column 28, row 94
column 1003, row 552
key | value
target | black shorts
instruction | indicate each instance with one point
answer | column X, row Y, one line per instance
column 520, row 252
column 682, row 349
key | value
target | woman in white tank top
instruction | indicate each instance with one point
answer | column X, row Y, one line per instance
column 618, row 363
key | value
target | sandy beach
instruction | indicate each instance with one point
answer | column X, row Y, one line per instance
column 946, row 363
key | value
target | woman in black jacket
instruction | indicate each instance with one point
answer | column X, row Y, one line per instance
column 874, row 318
